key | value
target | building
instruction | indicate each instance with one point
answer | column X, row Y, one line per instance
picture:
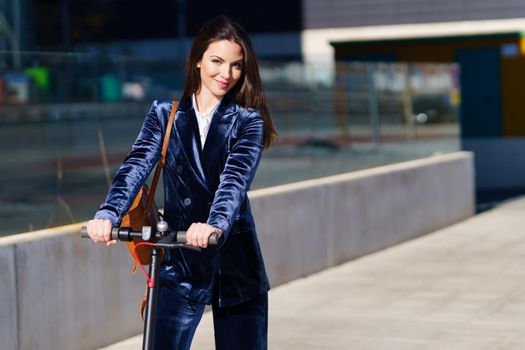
column 484, row 37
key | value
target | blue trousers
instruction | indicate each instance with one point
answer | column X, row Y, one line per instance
column 238, row 327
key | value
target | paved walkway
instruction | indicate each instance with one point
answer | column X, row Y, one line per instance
column 460, row 288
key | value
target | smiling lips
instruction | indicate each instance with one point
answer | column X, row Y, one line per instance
column 222, row 84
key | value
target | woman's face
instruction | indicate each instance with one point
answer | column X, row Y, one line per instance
column 220, row 68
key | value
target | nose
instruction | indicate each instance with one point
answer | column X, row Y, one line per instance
column 226, row 72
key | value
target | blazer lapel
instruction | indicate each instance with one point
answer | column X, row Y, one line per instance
column 221, row 123
column 187, row 131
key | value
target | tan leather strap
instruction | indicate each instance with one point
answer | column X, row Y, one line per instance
column 131, row 248
column 162, row 160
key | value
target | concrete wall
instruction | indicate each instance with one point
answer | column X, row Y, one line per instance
column 309, row 226
column 8, row 298
column 58, row 291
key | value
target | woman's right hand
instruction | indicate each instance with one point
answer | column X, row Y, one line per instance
column 99, row 230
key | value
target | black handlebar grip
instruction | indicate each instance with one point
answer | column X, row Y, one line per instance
column 213, row 240
column 83, row 232
column 114, row 232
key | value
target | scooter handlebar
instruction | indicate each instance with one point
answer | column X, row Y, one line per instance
column 125, row 234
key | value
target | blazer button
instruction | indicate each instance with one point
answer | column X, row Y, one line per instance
column 179, row 168
column 187, row 201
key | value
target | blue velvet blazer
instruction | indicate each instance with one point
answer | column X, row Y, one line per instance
column 201, row 185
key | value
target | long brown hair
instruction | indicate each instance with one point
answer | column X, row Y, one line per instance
column 247, row 92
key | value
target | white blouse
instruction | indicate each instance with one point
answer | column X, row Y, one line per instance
column 204, row 119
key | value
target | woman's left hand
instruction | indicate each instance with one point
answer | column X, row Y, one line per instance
column 198, row 234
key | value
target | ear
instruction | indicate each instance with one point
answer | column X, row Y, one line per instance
column 198, row 65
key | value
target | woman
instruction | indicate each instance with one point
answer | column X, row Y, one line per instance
column 221, row 126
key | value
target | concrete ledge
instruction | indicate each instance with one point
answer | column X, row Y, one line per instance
column 60, row 292
column 8, row 298
column 308, row 226
column 67, row 292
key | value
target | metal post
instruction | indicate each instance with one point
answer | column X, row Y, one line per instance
column 13, row 40
column 16, row 34
column 3, row 43
column 373, row 104
column 410, row 126
column 341, row 102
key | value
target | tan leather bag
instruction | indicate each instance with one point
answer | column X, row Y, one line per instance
column 143, row 211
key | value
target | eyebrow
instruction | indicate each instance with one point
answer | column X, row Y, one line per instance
column 236, row 61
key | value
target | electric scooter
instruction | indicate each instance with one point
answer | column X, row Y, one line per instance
column 158, row 238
